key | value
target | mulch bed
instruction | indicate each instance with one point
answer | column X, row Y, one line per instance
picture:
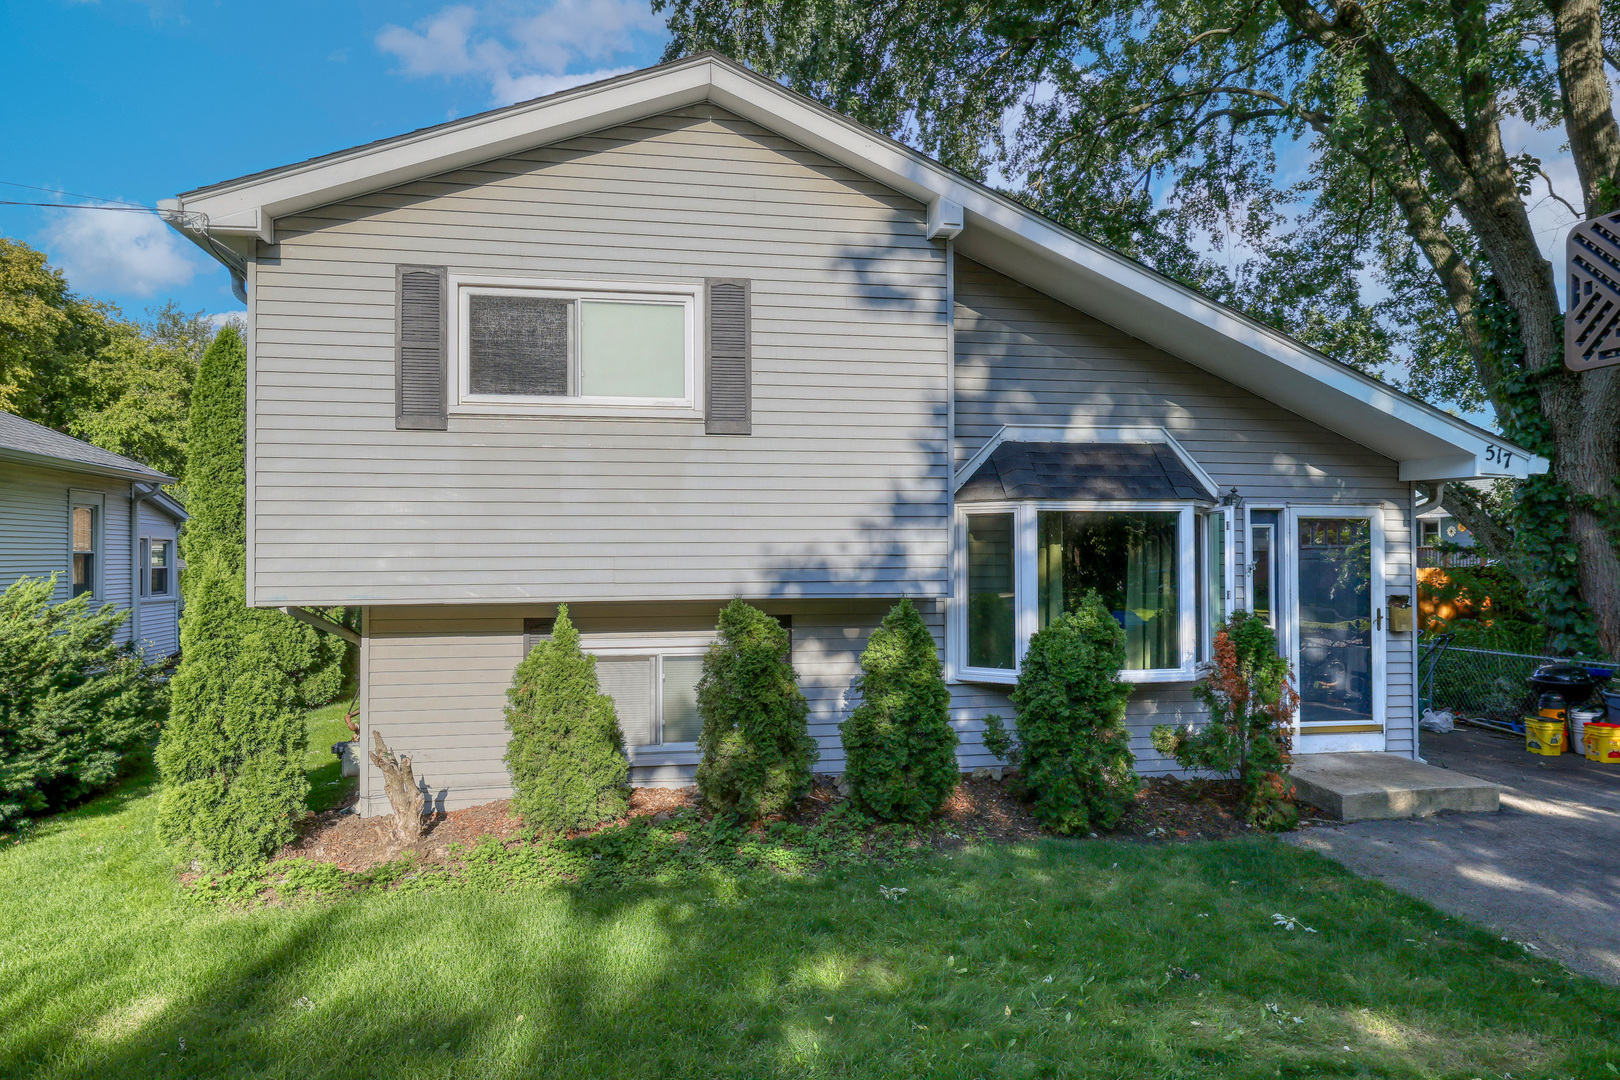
column 1167, row 810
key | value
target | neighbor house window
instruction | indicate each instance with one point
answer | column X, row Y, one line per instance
column 83, row 527
column 655, row 696
column 534, row 347
column 1028, row 564
column 159, row 568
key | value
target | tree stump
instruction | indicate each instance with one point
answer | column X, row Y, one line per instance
column 404, row 797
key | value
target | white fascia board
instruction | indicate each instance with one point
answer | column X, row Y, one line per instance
column 1033, row 433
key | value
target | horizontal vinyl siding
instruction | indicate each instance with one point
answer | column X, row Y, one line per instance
column 839, row 491
column 1024, row 358
column 436, row 681
column 160, row 615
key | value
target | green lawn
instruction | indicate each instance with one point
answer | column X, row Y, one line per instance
column 1052, row 959
column 327, row 785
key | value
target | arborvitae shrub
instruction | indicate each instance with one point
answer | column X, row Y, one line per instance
column 899, row 743
column 1075, row 760
column 566, row 754
column 232, row 753
column 1251, row 701
column 74, row 703
column 756, row 745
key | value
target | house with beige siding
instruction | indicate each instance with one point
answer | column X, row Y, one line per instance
column 648, row 345
column 99, row 521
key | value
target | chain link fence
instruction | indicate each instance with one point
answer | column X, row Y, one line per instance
column 1480, row 684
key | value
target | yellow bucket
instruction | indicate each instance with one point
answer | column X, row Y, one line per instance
column 1544, row 736
column 1603, row 744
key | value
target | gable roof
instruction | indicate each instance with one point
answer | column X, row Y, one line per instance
column 988, row 227
column 34, row 444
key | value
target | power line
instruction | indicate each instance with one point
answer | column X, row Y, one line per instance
column 73, row 194
column 131, row 209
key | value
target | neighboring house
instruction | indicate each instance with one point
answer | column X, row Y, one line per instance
column 682, row 336
column 65, row 509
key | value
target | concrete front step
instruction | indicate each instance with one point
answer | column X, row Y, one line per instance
column 1378, row 787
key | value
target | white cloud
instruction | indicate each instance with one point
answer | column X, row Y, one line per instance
column 118, row 252
column 523, row 50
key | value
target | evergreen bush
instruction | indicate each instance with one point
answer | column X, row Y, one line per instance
column 1072, row 748
column 756, row 745
column 566, row 753
column 1251, row 702
column 74, row 703
column 232, row 753
column 899, row 744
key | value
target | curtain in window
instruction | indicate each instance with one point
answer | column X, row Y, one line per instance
column 1151, row 617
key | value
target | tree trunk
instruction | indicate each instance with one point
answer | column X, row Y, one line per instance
column 1584, row 410
column 404, row 797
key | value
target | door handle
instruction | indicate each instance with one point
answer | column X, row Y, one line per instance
column 1378, row 619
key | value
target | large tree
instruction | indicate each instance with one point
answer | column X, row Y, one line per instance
column 78, row 365
column 1278, row 154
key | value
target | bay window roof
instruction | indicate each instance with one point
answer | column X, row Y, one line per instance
column 1088, row 471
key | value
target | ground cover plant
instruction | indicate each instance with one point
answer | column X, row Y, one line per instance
column 899, row 746
column 1066, row 958
column 74, row 703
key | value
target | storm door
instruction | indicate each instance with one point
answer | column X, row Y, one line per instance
column 1337, row 632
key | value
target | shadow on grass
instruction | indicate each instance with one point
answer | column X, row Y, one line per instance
column 1052, row 958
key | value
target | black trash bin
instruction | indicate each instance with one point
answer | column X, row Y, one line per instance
column 1571, row 681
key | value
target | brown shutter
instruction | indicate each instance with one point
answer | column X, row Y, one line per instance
column 419, row 334
column 729, row 409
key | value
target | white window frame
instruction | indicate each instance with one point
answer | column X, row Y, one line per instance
column 464, row 402
column 1276, row 564
column 1326, row 740
column 1026, row 541
column 1228, row 518
column 649, row 646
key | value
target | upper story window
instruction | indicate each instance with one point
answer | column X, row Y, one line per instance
column 83, row 528
column 520, row 347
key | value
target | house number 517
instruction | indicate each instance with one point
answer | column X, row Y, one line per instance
column 1498, row 455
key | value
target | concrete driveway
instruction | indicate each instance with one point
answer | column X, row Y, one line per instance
column 1545, row 869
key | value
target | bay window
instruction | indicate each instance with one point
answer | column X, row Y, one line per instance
column 1025, row 564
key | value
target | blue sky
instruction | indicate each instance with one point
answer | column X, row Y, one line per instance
column 137, row 101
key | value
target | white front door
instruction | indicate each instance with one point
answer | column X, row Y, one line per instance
column 1334, row 606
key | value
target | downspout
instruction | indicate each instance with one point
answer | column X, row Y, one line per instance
column 950, row 415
